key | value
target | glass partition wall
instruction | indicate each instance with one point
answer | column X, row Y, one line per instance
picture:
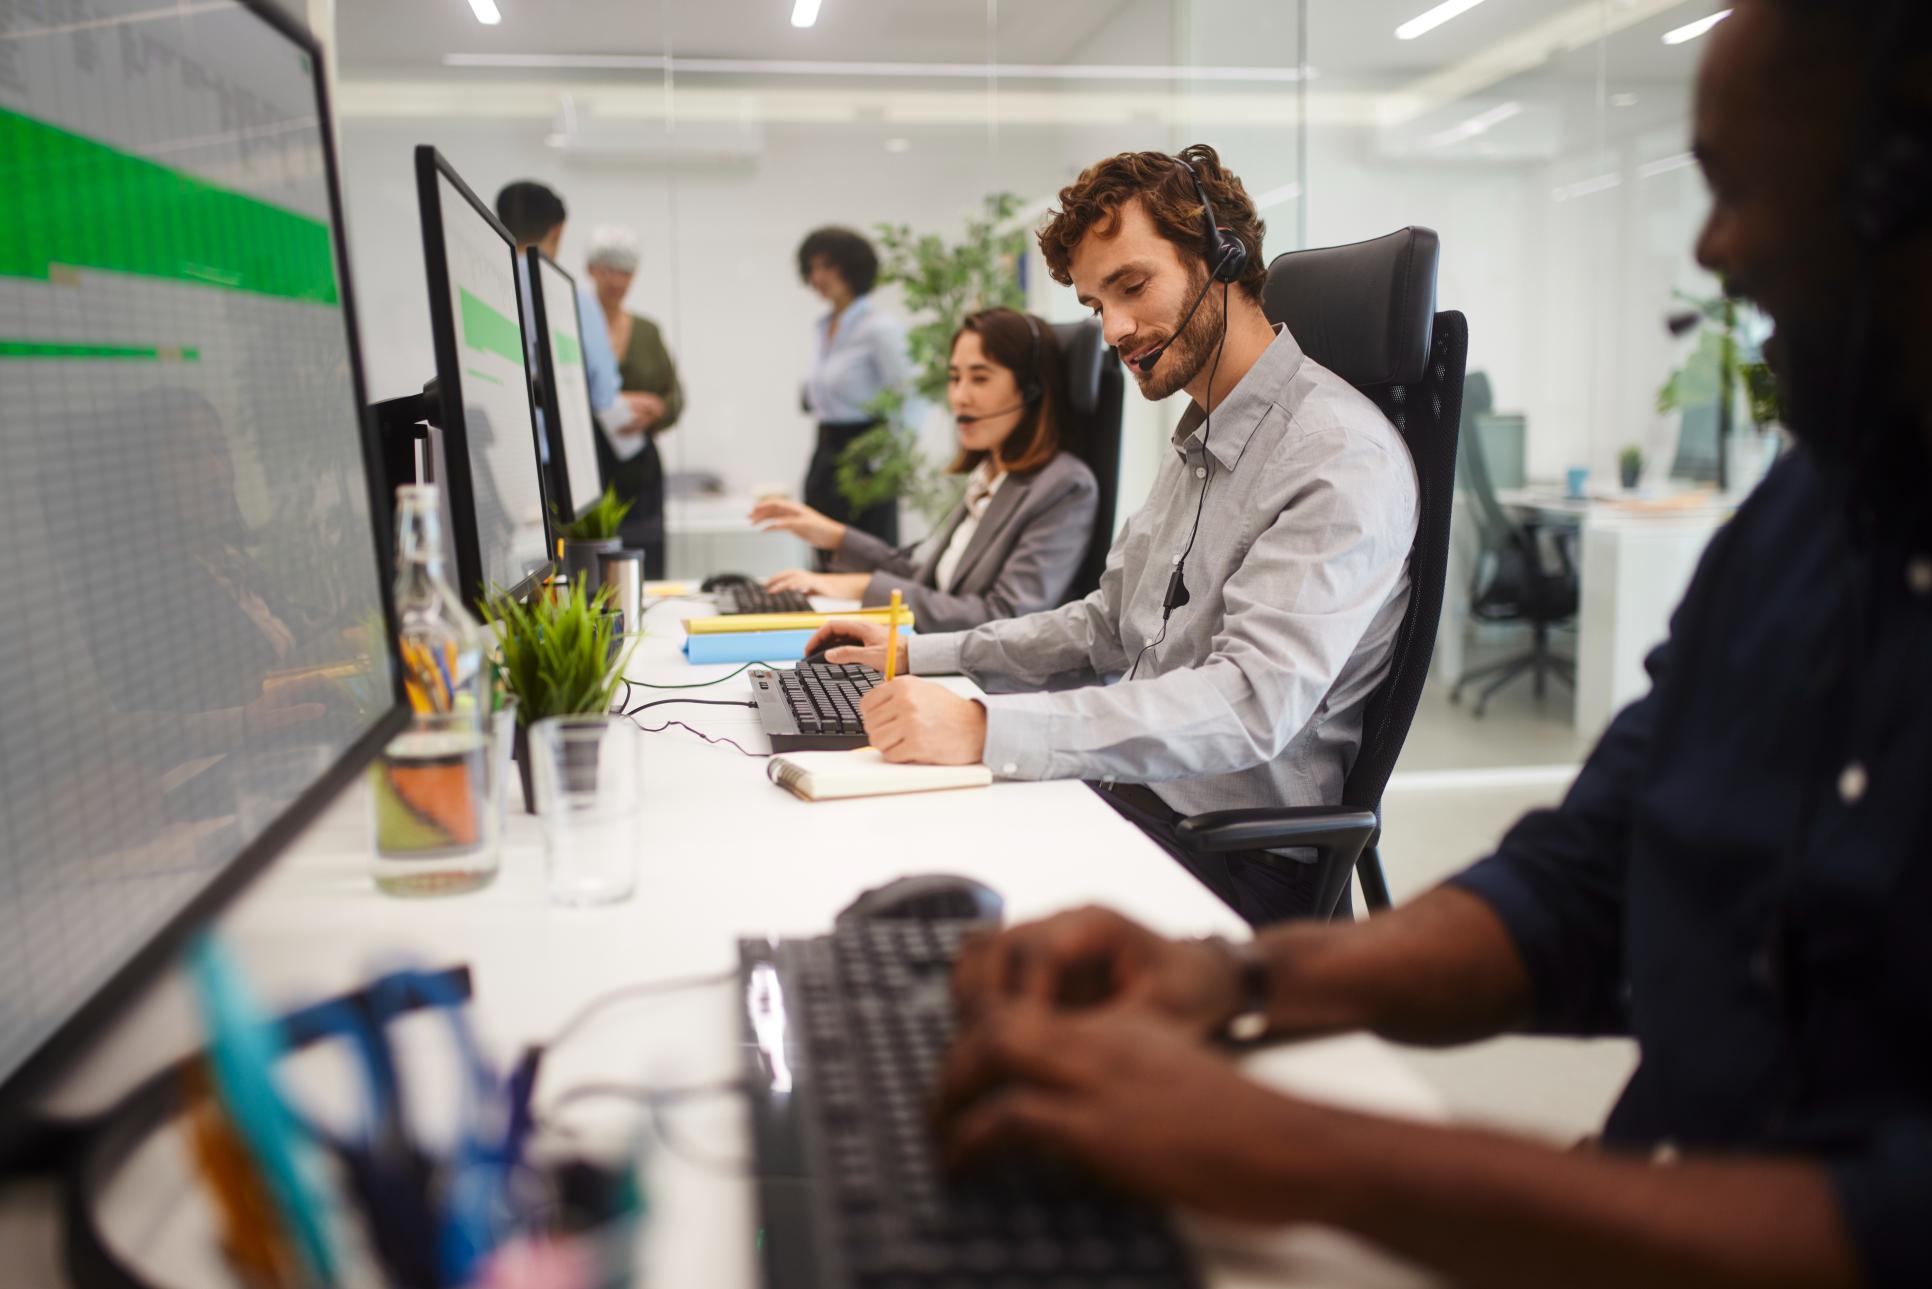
column 1546, row 140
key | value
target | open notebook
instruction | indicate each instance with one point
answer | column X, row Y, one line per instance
column 862, row 772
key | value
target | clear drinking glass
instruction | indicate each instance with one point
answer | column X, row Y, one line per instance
column 589, row 784
column 437, row 809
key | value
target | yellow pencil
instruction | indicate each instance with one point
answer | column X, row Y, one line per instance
column 892, row 639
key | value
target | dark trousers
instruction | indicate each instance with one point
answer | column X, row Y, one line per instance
column 822, row 484
column 639, row 481
column 1262, row 888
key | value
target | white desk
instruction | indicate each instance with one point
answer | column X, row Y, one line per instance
column 729, row 855
column 1636, row 559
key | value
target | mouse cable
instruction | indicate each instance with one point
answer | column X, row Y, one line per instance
column 630, row 993
column 701, row 684
column 735, row 746
column 700, row 702
column 655, row 1102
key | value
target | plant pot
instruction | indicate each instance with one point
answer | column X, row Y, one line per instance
column 1630, row 476
column 579, row 767
column 581, row 559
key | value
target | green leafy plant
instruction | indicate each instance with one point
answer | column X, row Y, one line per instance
column 1700, row 380
column 556, row 651
column 942, row 284
column 598, row 523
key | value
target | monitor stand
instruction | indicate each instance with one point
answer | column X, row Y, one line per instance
column 402, row 423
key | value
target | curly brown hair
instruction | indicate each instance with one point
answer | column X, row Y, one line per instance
column 1091, row 204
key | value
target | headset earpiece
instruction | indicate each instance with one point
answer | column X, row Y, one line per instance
column 1225, row 253
column 1032, row 387
column 1891, row 181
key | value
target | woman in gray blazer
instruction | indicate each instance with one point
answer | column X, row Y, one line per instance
column 1013, row 545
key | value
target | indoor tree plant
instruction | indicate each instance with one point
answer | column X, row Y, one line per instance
column 593, row 533
column 1721, row 363
column 941, row 285
column 556, row 658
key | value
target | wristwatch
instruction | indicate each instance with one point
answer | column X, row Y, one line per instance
column 1249, row 1023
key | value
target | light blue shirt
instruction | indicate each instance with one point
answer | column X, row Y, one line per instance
column 600, row 370
column 866, row 355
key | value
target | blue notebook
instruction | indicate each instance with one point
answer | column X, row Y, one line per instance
column 751, row 646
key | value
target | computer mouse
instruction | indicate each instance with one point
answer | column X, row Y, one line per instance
column 835, row 642
column 927, row 897
column 719, row 581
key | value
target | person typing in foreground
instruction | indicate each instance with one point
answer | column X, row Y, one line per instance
column 1740, row 879
column 1291, row 500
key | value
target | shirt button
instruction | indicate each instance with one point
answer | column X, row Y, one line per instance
column 1009, row 769
column 1852, row 782
column 1200, row 472
column 1918, row 576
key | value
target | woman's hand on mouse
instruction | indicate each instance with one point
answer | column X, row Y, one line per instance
column 801, row 521
column 838, row 586
column 856, row 640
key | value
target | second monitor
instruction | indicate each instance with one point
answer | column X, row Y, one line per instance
column 569, row 421
column 490, row 458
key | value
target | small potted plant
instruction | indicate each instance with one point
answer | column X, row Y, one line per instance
column 557, row 659
column 591, row 534
column 1630, row 466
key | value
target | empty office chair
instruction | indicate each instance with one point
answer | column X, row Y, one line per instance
column 1524, row 573
column 1367, row 313
column 1095, row 396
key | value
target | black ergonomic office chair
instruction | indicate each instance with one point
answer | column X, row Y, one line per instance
column 1367, row 313
column 1095, row 395
column 1519, row 577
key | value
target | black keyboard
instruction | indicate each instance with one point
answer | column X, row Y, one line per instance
column 814, row 707
column 844, row 1037
column 756, row 599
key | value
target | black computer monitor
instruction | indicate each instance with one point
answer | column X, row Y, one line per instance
column 568, row 417
column 487, row 453
column 196, row 651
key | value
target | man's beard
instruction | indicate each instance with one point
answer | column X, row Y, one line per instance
column 1193, row 348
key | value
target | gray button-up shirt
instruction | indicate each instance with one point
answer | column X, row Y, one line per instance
column 1299, row 579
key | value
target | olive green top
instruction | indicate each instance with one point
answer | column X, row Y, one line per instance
column 645, row 366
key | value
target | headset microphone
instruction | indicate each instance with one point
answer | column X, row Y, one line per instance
column 1147, row 361
column 987, row 416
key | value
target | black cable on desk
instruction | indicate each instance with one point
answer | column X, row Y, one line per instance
column 705, row 702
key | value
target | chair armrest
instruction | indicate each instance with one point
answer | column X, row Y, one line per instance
column 1333, row 830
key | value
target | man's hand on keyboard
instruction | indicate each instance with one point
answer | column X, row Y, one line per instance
column 1138, row 1100
column 918, row 720
column 1094, row 956
column 855, row 640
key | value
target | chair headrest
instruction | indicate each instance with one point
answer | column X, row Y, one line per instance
column 1364, row 311
column 1086, row 355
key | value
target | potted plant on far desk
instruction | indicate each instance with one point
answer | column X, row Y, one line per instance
column 590, row 535
column 1630, row 467
column 557, row 659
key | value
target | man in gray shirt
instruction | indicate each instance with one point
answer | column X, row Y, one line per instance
column 1288, row 505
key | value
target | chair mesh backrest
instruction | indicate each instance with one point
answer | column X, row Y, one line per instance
column 1096, row 396
column 1428, row 415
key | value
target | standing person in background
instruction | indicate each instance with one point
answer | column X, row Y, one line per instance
column 650, row 385
column 535, row 217
column 861, row 353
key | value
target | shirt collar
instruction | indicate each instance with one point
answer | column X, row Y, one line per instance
column 1267, row 385
column 853, row 312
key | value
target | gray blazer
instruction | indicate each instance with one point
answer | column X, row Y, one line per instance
column 1022, row 558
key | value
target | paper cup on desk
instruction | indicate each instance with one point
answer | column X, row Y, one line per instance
column 588, row 777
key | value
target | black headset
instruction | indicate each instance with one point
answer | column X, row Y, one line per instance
column 1226, row 254
column 1891, row 181
column 1032, row 388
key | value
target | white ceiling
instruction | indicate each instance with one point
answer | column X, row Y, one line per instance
column 1347, row 39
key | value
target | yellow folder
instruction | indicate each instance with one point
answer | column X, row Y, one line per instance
column 784, row 621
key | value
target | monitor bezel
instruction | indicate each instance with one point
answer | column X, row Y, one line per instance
column 70, row 1041
column 471, row 584
column 560, row 467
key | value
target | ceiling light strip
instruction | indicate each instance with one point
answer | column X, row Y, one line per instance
column 1423, row 23
column 1692, row 30
column 811, row 67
